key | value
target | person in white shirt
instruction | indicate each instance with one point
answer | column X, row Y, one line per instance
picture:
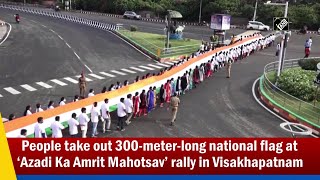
column 310, row 43
column 38, row 108
column 62, row 101
column 73, row 125
column 23, row 133
column 91, row 93
column 95, row 116
column 76, row 98
column 129, row 107
column 83, row 121
column 50, row 105
column 27, row 112
column 39, row 130
column 106, row 118
column 121, row 112
column 57, row 128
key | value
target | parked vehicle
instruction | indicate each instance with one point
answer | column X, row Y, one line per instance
column 131, row 15
column 256, row 25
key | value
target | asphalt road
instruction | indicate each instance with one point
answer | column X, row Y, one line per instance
column 42, row 48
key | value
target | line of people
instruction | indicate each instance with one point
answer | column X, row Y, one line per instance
column 140, row 104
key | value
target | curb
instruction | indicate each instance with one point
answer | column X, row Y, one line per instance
column 285, row 114
column 5, row 35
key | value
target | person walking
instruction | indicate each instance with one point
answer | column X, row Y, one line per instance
column 150, row 100
column 175, row 101
column 122, row 113
column 105, row 114
column 95, row 116
column 82, row 85
column 57, row 128
column 143, row 103
column 307, row 48
column 154, row 97
column 83, row 121
column 228, row 67
column 129, row 107
column 39, row 129
column 136, row 101
column 162, row 95
column 73, row 125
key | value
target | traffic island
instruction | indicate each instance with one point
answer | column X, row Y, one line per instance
column 153, row 45
column 288, row 107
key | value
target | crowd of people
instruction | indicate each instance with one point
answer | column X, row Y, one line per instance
column 143, row 103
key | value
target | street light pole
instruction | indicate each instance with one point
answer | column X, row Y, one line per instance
column 200, row 11
column 284, row 42
column 255, row 11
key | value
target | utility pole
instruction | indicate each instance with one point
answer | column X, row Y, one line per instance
column 255, row 11
column 200, row 11
column 284, row 42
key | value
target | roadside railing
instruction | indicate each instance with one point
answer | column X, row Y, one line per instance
column 305, row 110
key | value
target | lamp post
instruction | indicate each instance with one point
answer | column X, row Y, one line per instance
column 255, row 11
column 200, row 11
column 284, row 39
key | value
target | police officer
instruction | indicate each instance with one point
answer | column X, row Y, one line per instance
column 175, row 101
column 82, row 85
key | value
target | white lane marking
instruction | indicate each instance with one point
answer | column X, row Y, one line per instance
column 107, row 74
column 77, row 55
column 1, row 95
column 137, row 69
column 171, row 63
column 10, row 28
column 87, row 79
column 152, row 65
column 59, row 82
column 71, row 80
column 96, row 76
column 43, row 26
column 261, row 104
column 28, row 87
column 129, row 71
column 117, row 72
column 11, row 90
column 60, row 37
column 175, row 61
column 144, row 67
column 52, row 31
column 164, row 65
column 44, row 85
column 68, row 45
column 33, row 21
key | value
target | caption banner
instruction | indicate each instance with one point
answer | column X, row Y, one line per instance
column 165, row 156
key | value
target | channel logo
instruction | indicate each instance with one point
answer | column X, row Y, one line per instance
column 280, row 24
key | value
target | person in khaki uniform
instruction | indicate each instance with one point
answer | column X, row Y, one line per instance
column 229, row 63
column 82, row 85
column 175, row 101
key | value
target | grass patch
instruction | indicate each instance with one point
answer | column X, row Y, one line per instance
column 156, row 42
column 306, row 110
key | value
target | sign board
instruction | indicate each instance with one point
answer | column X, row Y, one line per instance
column 220, row 22
column 280, row 24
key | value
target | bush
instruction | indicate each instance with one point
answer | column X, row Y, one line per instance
column 309, row 64
column 298, row 83
column 133, row 28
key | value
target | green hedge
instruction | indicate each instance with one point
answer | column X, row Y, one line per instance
column 298, row 83
column 309, row 64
